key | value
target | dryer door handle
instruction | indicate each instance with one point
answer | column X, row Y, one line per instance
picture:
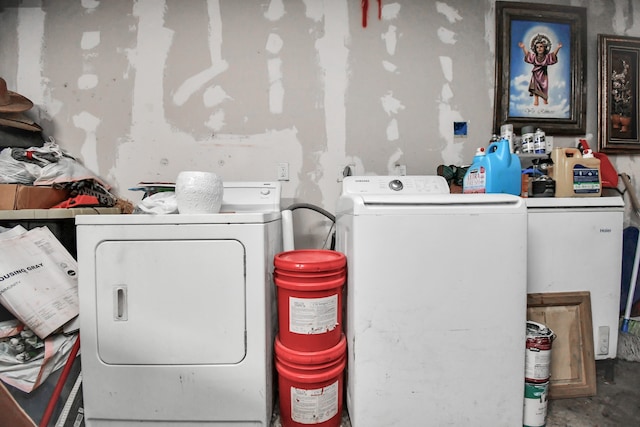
column 120, row 303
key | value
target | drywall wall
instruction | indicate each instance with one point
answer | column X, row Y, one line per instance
column 140, row 90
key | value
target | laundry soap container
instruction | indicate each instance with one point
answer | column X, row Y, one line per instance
column 497, row 170
column 575, row 175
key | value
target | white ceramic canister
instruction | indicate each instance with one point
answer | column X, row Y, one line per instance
column 198, row 192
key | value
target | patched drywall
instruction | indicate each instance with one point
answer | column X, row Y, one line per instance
column 140, row 90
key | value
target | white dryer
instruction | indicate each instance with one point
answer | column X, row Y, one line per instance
column 178, row 314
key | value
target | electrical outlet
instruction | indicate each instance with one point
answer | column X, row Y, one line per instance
column 400, row 170
column 603, row 340
column 283, row 171
column 348, row 170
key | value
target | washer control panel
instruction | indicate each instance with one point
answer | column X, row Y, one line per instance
column 387, row 185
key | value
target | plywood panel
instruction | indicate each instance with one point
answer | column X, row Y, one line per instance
column 568, row 314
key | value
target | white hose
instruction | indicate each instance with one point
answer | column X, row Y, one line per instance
column 287, row 230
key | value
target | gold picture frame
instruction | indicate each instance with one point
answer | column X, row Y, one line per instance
column 548, row 93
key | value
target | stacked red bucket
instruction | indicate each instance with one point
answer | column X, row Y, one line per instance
column 310, row 348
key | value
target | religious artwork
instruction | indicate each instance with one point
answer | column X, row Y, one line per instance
column 540, row 67
column 618, row 126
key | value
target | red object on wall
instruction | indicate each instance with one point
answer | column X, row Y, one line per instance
column 365, row 10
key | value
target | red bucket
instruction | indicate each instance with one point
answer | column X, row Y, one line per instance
column 310, row 287
column 311, row 385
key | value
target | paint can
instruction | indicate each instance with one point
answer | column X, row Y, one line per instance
column 528, row 136
column 535, row 404
column 537, row 367
column 539, row 142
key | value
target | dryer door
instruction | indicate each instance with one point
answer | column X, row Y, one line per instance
column 153, row 298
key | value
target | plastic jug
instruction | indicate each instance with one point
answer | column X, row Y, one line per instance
column 475, row 179
column 575, row 175
column 497, row 171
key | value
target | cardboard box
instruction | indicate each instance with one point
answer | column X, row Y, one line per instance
column 18, row 196
column 12, row 413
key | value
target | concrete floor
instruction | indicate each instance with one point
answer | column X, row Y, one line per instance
column 616, row 403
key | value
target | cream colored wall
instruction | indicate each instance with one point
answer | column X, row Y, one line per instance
column 140, row 90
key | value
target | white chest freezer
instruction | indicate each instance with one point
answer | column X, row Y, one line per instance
column 575, row 244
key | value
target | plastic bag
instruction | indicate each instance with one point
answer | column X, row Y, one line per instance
column 63, row 171
column 25, row 165
column 40, row 156
column 158, row 203
column 14, row 171
column 26, row 360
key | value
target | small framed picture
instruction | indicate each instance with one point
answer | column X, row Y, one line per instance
column 619, row 65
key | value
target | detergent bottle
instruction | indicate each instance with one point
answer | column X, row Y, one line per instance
column 505, row 169
column 494, row 170
column 475, row 179
column 576, row 175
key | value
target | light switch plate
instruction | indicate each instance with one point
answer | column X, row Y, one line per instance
column 603, row 340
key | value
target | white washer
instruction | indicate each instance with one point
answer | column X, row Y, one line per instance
column 436, row 303
column 178, row 314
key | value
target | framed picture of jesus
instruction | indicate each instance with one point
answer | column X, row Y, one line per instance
column 540, row 67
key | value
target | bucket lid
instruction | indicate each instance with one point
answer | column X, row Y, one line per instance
column 310, row 357
column 310, row 260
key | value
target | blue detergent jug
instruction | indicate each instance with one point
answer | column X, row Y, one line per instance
column 497, row 171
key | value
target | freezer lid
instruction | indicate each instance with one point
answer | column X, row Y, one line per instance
column 574, row 202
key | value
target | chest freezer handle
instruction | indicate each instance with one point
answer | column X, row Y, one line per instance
column 120, row 306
